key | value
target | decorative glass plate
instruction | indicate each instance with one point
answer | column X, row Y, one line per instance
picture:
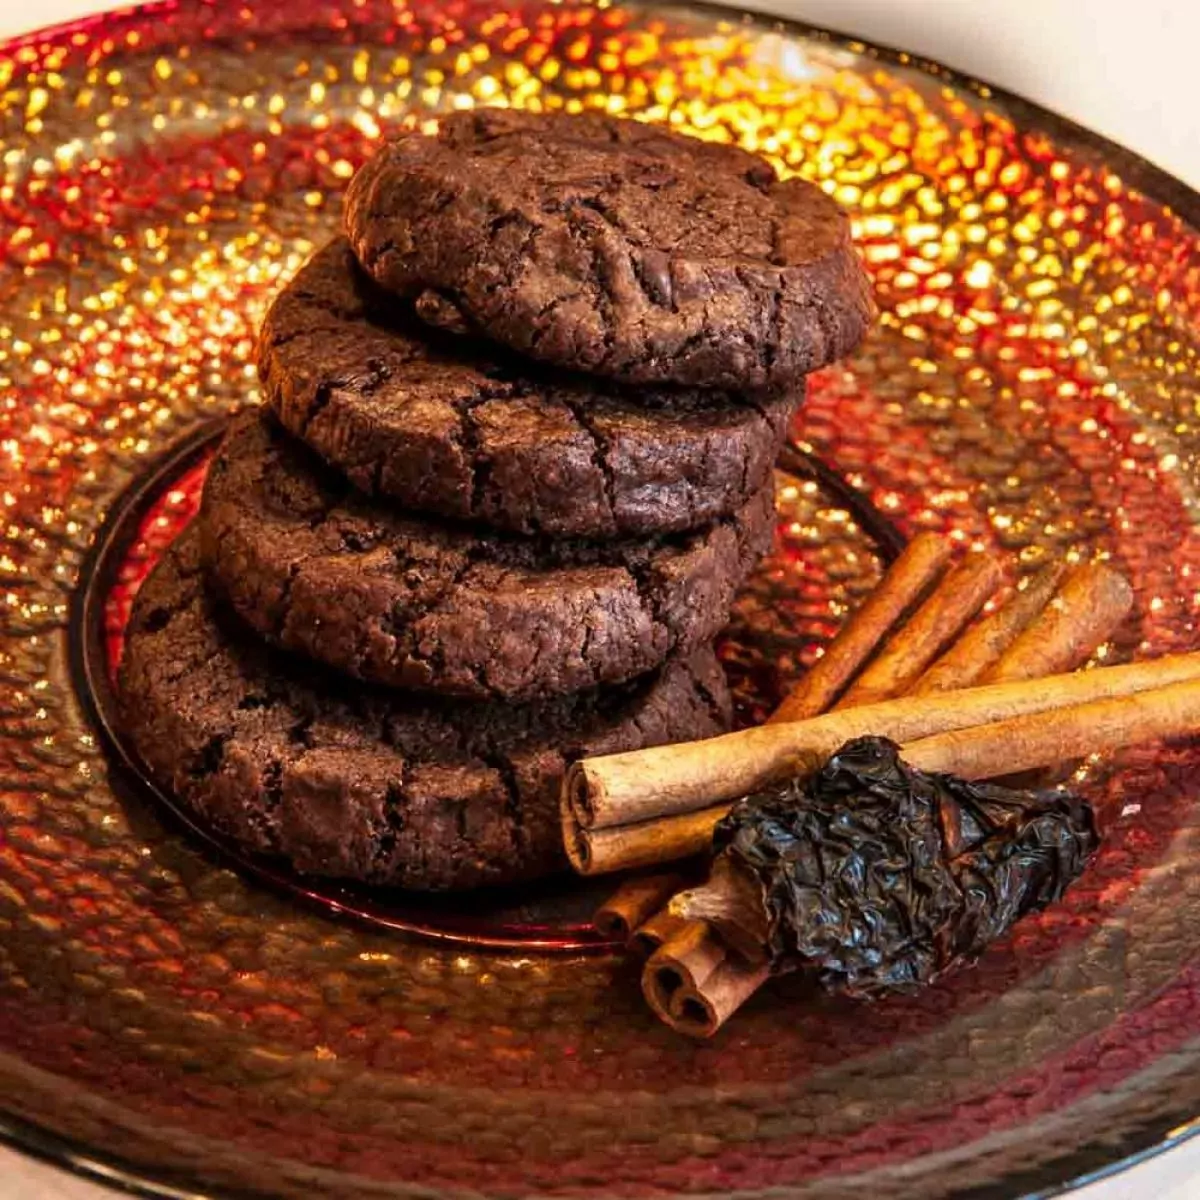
column 185, row 1022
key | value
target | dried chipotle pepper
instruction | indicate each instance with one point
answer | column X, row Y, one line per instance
column 877, row 876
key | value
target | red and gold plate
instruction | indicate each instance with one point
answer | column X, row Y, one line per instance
column 182, row 1020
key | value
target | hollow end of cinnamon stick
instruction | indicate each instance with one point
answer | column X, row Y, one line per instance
column 576, row 844
column 694, row 1015
column 685, row 961
column 641, row 844
column 633, row 903
column 653, row 932
column 577, row 795
column 700, row 1013
column 611, row 926
column 660, row 985
column 698, row 1000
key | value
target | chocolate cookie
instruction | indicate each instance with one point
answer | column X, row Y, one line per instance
column 414, row 602
column 458, row 430
column 357, row 782
column 613, row 247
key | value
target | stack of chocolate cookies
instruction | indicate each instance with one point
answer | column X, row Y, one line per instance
column 515, row 461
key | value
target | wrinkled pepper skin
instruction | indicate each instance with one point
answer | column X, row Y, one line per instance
column 878, row 877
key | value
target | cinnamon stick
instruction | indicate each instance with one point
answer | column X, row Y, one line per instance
column 901, row 587
column 686, row 960
column 633, row 903
column 700, row 1011
column 982, row 645
column 617, row 791
column 954, row 602
column 644, row 844
column 694, row 984
column 1041, row 739
column 1089, row 606
column 659, row 928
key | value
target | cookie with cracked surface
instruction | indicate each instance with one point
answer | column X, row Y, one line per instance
column 449, row 426
column 432, row 606
column 613, row 247
column 363, row 783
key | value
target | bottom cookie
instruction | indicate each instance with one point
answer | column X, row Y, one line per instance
column 354, row 782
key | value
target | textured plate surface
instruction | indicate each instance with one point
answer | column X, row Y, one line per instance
column 1032, row 384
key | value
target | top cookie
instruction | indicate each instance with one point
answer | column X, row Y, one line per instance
column 613, row 247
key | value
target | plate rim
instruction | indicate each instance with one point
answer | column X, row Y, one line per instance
column 1092, row 1164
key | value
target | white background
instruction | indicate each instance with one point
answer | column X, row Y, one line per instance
column 1127, row 68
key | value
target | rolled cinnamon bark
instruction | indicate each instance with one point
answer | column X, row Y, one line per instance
column 700, row 1012
column 694, row 984
column 659, row 928
column 1041, row 739
column 983, row 644
column 616, row 791
column 633, row 903
column 899, row 591
column 626, row 847
column 1089, row 606
column 697, row 979
column 954, row 602
column 686, row 960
